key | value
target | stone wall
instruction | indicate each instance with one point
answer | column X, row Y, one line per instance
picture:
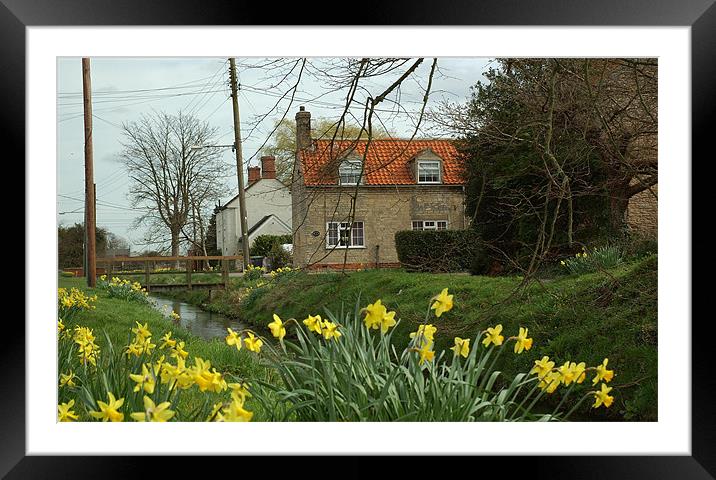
column 384, row 211
column 642, row 213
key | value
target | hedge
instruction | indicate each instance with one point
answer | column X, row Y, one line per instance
column 441, row 251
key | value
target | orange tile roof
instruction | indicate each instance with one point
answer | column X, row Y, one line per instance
column 387, row 162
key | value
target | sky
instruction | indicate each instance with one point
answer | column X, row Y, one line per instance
column 124, row 89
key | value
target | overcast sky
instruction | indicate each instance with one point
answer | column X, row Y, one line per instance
column 125, row 88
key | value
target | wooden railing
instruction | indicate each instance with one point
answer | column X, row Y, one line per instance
column 151, row 262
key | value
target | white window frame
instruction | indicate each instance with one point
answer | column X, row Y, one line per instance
column 353, row 162
column 358, row 225
column 440, row 172
column 422, row 225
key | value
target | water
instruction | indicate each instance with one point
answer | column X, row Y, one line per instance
column 201, row 323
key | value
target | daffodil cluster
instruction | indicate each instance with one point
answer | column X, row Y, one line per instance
column 572, row 373
column 143, row 385
column 72, row 301
column 142, row 342
column 87, row 349
column 123, row 288
column 251, row 341
column 253, row 272
column 281, row 272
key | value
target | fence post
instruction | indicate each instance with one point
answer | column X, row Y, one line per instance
column 225, row 272
column 146, row 274
column 189, row 268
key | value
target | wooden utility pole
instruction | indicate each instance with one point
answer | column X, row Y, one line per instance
column 90, row 217
column 239, row 164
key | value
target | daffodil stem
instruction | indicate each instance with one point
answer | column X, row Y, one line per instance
column 569, row 390
column 529, row 409
column 529, row 394
column 489, row 370
column 581, row 400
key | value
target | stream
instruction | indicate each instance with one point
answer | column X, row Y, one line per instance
column 201, row 323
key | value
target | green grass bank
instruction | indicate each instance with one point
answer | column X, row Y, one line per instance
column 579, row 318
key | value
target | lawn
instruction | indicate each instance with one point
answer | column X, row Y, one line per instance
column 578, row 318
column 116, row 317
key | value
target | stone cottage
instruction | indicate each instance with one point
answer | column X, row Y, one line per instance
column 268, row 209
column 347, row 204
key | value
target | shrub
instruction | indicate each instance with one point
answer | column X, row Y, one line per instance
column 339, row 370
column 263, row 244
column 440, row 250
column 600, row 258
column 278, row 257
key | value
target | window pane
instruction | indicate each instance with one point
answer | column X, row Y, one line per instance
column 442, row 225
column 417, row 225
column 428, row 171
column 357, row 234
column 332, row 234
column 349, row 172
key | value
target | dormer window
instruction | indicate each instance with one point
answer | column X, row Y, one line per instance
column 349, row 172
column 429, row 171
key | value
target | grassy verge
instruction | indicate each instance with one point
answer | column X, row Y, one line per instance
column 116, row 317
column 580, row 318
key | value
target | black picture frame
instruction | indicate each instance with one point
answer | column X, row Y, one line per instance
column 700, row 15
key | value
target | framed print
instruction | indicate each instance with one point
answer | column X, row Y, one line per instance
column 569, row 84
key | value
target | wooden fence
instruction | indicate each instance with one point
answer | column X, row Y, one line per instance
column 150, row 263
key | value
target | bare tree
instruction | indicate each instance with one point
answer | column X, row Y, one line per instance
column 172, row 180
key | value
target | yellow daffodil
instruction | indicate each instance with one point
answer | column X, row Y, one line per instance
column 174, row 316
column 522, row 342
column 60, row 326
column 168, row 341
column 602, row 397
column 277, row 328
column 235, row 412
column 374, row 314
column 572, row 372
column 178, row 374
column 425, row 333
column 205, row 377
column 252, row 343
column 542, row 367
column 426, row 353
column 109, row 411
column 65, row 412
column 239, row 392
column 146, row 380
column 492, row 335
column 233, row 338
column 602, row 373
column 462, row 346
column 313, row 323
column 153, row 412
column 550, row 381
column 67, row 380
column 443, row 303
column 142, row 330
column 178, row 351
column 330, row 330
column 387, row 321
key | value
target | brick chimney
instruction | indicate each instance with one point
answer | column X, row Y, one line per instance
column 303, row 129
column 254, row 174
column 268, row 167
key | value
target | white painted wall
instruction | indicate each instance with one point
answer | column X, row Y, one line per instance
column 265, row 197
